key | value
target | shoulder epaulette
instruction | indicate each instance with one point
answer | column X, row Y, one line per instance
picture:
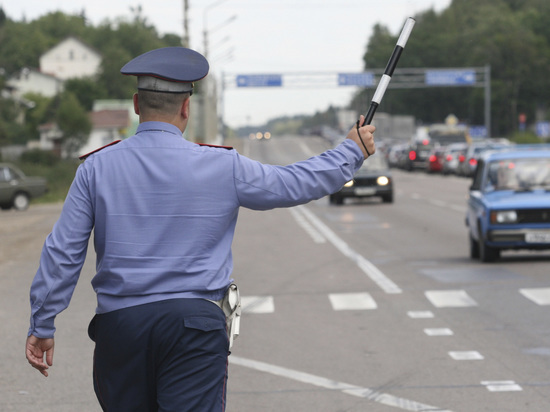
column 84, row 156
column 215, row 145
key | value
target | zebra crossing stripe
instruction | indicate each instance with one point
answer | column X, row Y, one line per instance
column 541, row 296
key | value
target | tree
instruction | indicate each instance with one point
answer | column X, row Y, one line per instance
column 73, row 121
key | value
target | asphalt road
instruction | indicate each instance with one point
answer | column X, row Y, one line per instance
column 361, row 307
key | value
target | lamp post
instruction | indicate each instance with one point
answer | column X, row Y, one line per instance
column 208, row 101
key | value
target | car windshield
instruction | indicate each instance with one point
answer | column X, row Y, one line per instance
column 374, row 163
column 518, row 174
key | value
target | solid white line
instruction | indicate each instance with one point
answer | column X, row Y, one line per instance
column 385, row 283
column 330, row 384
column 304, row 224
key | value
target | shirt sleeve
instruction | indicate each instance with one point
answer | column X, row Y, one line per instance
column 261, row 187
column 62, row 258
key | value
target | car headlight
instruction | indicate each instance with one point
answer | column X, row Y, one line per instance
column 349, row 184
column 504, row 216
column 382, row 181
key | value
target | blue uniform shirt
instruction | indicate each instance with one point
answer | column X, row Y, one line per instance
column 163, row 211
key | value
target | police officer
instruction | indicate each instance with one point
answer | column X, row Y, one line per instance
column 163, row 211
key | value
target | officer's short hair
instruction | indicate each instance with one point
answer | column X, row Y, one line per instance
column 162, row 103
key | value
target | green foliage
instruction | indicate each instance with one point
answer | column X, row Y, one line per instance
column 59, row 176
column 525, row 138
column 39, row 157
column 73, row 121
column 512, row 36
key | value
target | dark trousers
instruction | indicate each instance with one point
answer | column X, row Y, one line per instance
column 167, row 356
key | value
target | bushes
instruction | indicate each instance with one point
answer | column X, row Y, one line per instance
column 58, row 173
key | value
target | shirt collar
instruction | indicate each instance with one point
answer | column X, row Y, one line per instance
column 159, row 127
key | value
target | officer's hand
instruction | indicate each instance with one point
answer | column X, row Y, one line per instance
column 364, row 133
column 35, row 350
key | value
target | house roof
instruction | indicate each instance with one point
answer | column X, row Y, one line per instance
column 68, row 39
column 110, row 119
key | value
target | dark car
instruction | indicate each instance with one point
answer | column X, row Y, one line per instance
column 16, row 189
column 418, row 155
column 509, row 203
column 373, row 179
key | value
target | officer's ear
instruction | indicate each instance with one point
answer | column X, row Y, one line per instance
column 136, row 104
column 185, row 108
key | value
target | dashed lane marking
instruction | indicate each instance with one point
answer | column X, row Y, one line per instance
column 352, row 301
column 257, row 304
column 438, row 332
column 420, row 314
column 450, row 298
column 501, row 386
column 466, row 355
column 361, row 392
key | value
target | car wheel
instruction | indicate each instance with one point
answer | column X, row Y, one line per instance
column 487, row 253
column 474, row 248
column 21, row 201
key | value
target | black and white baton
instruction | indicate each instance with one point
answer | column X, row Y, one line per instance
column 390, row 67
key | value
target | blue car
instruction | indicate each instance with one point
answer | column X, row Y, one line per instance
column 509, row 202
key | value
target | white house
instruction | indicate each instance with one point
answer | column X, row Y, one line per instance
column 69, row 59
column 107, row 126
column 29, row 80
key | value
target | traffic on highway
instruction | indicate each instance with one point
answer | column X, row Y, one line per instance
column 360, row 306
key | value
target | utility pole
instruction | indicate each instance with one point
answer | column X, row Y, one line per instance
column 185, row 38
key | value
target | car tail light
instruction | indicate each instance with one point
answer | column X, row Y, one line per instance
column 449, row 158
column 461, row 158
column 472, row 162
column 412, row 155
column 433, row 158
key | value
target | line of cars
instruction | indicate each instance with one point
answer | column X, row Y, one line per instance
column 458, row 158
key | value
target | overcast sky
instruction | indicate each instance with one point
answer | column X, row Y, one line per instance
column 261, row 36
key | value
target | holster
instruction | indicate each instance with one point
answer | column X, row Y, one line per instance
column 231, row 307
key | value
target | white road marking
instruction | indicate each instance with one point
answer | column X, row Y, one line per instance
column 541, row 296
column 352, row 301
column 385, row 283
column 438, row 332
column 449, row 298
column 420, row 314
column 383, row 398
column 466, row 355
column 501, row 386
column 304, row 224
column 257, row 304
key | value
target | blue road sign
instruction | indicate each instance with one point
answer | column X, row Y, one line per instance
column 356, row 79
column 450, row 77
column 543, row 129
column 259, row 80
column 477, row 132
